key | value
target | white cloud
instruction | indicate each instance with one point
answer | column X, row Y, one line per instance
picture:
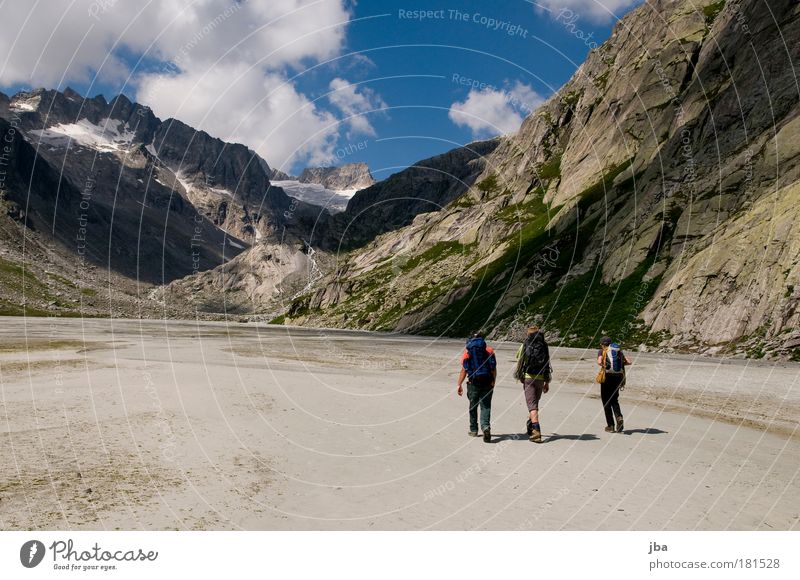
column 51, row 39
column 355, row 105
column 243, row 104
column 227, row 61
column 597, row 10
column 491, row 111
column 524, row 98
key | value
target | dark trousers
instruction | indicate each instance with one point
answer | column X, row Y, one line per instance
column 609, row 393
column 479, row 393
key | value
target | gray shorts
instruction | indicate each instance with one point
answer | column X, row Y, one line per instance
column 533, row 392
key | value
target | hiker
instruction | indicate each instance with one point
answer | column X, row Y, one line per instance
column 534, row 372
column 611, row 377
column 479, row 366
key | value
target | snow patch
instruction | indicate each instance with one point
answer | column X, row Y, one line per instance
column 316, row 194
column 192, row 188
column 234, row 244
column 24, row 105
column 109, row 136
column 187, row 187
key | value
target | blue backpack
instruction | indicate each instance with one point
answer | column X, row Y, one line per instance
column 614, row 361
column 480, row 361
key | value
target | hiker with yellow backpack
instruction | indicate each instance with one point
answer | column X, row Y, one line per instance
column 611, row 377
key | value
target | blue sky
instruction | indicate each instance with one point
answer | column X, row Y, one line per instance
column 318, row 81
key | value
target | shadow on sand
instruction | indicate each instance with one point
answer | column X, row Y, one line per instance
column 509, row 437
column 581, row 437
column 648, row 431
column 545, row 439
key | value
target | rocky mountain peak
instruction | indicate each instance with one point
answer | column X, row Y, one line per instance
column 210, row 160
column 351, row 176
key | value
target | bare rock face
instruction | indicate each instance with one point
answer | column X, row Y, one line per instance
column 230, row 167
column 716, row 292
column 4, row 103
column 262, row 280
column 278, row 175
column 352, row 176
column 652, row 197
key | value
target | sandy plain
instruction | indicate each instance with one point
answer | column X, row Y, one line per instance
column 145, row 425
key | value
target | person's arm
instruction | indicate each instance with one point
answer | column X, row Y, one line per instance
column 600, row 360
column 628, row 361
column 461, row 376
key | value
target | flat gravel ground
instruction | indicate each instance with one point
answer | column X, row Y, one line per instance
column 127, row 424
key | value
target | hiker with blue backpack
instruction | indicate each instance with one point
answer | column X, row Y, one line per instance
column 611, row 377
column 479, row 367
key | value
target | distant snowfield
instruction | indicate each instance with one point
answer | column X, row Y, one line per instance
column 105, row 136
column 24, row 105
column 331, row 199
column 191, row 188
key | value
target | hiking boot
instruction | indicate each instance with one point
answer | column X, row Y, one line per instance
column 529, row 428
column 473, row 433
column 609, row 428
column 620, row 425
column 487, row 435
column 536, row 436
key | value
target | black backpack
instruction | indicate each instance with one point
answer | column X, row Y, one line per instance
column 536, row 355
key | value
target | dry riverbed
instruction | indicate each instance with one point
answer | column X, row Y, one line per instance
column 131, row 424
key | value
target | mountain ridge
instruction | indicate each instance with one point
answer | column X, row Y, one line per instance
column 110, row 185
column 606, row 206
column 342, row 177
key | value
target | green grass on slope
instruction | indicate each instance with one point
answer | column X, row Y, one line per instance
column 585, row 307
column 478, row 307
column 712, row 11
column 533, row 210
column 17, row 282
column 437, row 252
column 579, row 309
column 489, row 185
column 550, row 169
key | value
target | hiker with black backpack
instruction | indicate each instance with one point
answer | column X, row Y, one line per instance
column 535, row 373
column 612, row 362
column 479, row 367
